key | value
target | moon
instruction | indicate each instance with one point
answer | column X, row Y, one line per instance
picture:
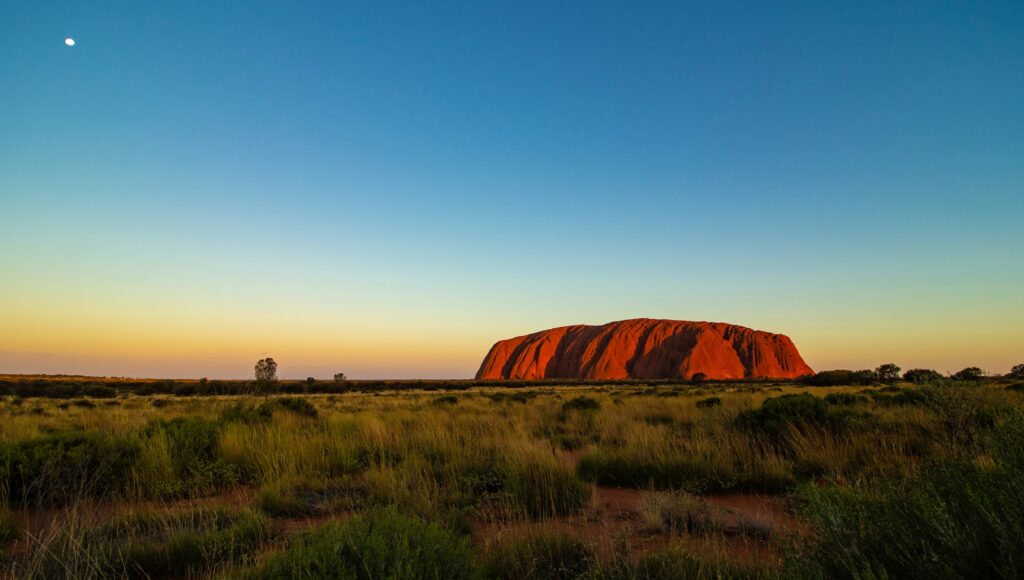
column 69, row 41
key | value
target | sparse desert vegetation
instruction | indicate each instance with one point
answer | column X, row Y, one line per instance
column 572, row 481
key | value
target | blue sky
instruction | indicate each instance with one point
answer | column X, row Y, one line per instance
column 387, row 188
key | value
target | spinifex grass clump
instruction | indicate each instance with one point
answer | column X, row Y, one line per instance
column 698, row 464
column 778, row 414
column 709, row 402
column 846, row 399
column 179, row 458
column 955, row 518
column 380, row 544
column 537, row 485
column 581, row 404
column 540, row 554
column 291, row 498
column 145, row 545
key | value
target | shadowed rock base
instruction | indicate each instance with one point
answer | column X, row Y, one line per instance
column 644, row 348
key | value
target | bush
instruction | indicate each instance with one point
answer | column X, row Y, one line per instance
column 191, row 446
column 279, row 502
column 970, row 374
column 189, row 544
column 838, row 378
column 539, row 554
column 776, row 414
column 954, row 519
column 445, row 400
column 61, row 467
column 297, row 405
column 581, row 404
column 709, row 402
column 921, row 376
column 845, row 399
column 695, row 474
column 381, row 544
column 511, row 397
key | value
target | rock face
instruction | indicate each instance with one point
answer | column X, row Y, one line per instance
column 645, row 349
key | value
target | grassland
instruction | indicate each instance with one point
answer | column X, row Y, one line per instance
column 584, row 481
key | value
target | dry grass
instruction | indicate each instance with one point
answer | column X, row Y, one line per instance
column 498, row 458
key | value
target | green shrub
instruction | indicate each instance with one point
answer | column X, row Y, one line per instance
column 512, row 397
column 63, row 466
column 777, row 414
column 192, row 446
column 1016, row 387
column 190, row 550
column 445, row 400
column 380, row 544
column 148, row 545
column 297, row 405
column 845, row 398
column 709, row 402
column 922, row 376
column 581, row 404
column 904, row 397
column 954, row 519
column 242, row 413
column 970, row 374
column 539, row 554
column 278, row 503
column 695, row 474
column 838, row 378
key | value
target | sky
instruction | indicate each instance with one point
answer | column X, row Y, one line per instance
column 387, row 188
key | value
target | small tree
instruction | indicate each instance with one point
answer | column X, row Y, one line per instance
column 266, row 373
column 970, row 374
column 338, row 377
column 1017, row 372
column 310, row 380
column 888, row 373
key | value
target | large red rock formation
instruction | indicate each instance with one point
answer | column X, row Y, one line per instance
column 645, row 349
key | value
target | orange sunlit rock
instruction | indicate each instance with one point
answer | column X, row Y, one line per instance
column 645, row 349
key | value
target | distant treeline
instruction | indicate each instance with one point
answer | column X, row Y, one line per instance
column 890, row 373
column 69, row 387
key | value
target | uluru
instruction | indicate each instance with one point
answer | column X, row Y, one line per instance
column 645, row 348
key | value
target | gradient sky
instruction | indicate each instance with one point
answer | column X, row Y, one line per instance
column 386, row 189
